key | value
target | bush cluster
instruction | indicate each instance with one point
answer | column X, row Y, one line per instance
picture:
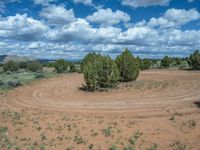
column 194, row 60
column 143, row 64
column 61, row 66
column 33, row 66
column 72, row 67
column 146, row 64
column 39, row 75
column 14, row 83
column 128, row 66
column 100, row 73
column 103, row 72
column 10, row 84
column 165, row 62
column 10, row 66
column 89, row 58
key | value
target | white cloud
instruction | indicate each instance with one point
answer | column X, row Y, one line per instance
column 138, row 36
column 182, row 38
column 57, row 14
column 144, row 3
column 86, row 2
column 107, row 17
column 74, row 37
column 21, row 27
column 81, row 31
column 43, row 2
column 36, row 45
column 175, row 18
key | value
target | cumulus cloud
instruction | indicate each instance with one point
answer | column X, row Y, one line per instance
column 107, row 17
column 182, row 38
column 62, row 35
column 57, row 15
column 144, row 3
column 175, row 18
column 138, row 36
column 21, row 27
column 82, row 31
column 78, row 37
column 86, row 2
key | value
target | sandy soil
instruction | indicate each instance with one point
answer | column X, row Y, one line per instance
column 163, row 105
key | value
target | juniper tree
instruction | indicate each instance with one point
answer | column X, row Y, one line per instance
column 128, row 66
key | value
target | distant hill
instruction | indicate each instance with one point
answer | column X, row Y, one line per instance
column 2, row 57
column 15, row 58
column 46, row 60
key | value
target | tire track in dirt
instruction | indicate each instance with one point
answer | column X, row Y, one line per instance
column 63, row 94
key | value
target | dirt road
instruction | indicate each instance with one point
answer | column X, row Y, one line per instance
column 162, row 108
column 161, row 92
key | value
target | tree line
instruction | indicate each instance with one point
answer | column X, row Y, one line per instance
column 103, row 72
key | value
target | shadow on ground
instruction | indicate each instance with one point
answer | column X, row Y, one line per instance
column 197, row 104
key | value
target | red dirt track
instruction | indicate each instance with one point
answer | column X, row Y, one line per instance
column 63, row 94
column 163, row 105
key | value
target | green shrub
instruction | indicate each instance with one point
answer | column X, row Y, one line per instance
column 72, row 67
column 165, row 62
column 139, row 62
column 3, row 130
column 107, row 131
column 129, row 147
column 1, row 83
column 79, row 139
column 113, row 147
column 146, row 64
column 184, row 65
column 89, row 58
column 61, row 66
column 153, row 147
column 39, row 75
column 101, row 73
column 22, row 65
column 143, row 64
column 34, row 66
column 14, row 83
column 10, row 66
column 194, row 60
column 128, row 66
column 178, row 61
column 91, row 76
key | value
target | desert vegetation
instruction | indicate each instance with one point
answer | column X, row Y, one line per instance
column 128, row 66
column 14, row 74
column 102, row 72
column 194, row 60
column 146, row 104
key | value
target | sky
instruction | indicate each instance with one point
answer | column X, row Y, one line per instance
column 69, row 29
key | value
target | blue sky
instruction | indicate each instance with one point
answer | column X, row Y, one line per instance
column 71, row 28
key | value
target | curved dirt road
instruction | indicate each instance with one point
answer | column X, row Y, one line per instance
column 165, row 92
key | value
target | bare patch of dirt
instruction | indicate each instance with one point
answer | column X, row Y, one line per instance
column 161, row 107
